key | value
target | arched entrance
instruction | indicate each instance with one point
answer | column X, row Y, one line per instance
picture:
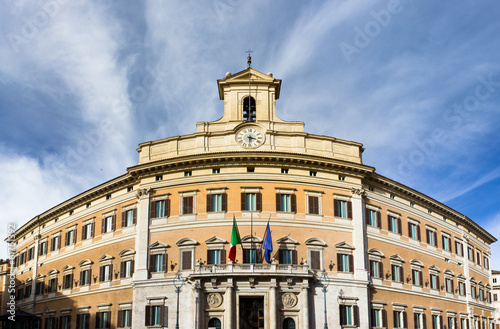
column 214, row 323
column 288, row 323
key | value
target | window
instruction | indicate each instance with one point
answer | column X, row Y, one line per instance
column 85, row 276
column 419, row 320
column 216, row 171
column 216, row 256
column 159, row 178
column 42, row 248
column 249, row 110
column 373, row 218
column 284, row 170
column 459, row 249
column 27, row 290
column 65, row 322
column 124, row 319
column 252, row 256
column 313, row 173
column 414, row 231
column 102, row 320
column 434, row 281
column 345, row 263
column 156, row 315
column 105, row 273
column 129, row 217
column 88, row 231
column 70, row 237
column 39, row 287
column 55, row 243
column 478, row 257
column 159, row 208
column 158, row 263
column 451, row 323
column 108, row 196
column 448, row 285
column 486, row 263
column 188, row 173
column 315, row 260
column 22, row 259
column 400, row 320
column 130, row 189
column 251, row 201
column 215, row 323
column 461, row 288
column 446, row 243
column 216, row 202
column 68, row 281
column 341, row 177
column 495, row 297
column 379, row 318
column 108, row 224
column 431, row 237
column 349, row 315
column 286, row 202
column 342, row 208
column 470, row 253
column 187, row 205
column 50, row 322
column 186, row 259
column 494, row 280
column 126, row 268
column 394, row 224
column 82, row 321
column 31, row 253
column 436, row 321
column 287, row 257
column 19, row 293
column 53, row 285
column 313, row 204
column 376, row 270
column 397, row 273
column 416, row 276
column 464, row 323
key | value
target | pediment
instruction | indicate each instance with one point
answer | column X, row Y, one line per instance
column 241, row 78
column 287, row 240
column 215, row 239
column 449, row 272
column 68, row 268
column 40, row 276
column 461, row 276
column 434, row 268
column 473, row 280
column 416, row 262
column 53, row 272
column 248, row 238
column 344, row 245
column 85, row 262
column 158, row 245
column 376, row 252
column 315, row 242
column 187, row 242
column 126, row 252
column 397, row 258
column 105, row 257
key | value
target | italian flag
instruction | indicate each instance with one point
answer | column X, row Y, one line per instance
column 235, row 240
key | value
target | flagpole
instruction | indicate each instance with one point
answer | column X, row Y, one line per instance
column 251, row 238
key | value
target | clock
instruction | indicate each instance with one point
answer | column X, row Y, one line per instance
column 250, row 137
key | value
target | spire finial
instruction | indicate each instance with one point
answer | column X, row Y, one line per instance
column 249, row 58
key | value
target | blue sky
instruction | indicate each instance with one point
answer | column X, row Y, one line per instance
column 82, row 83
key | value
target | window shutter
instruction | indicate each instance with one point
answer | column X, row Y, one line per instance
column 162, row 315
column 164, row 264
column 278, row 202
column 351, row 263
column 223, row 256
column 78, row 321
column 92, row 229
column 395, row 318
column 401, row 274
column 437, row 281
column 421, row 279
column 335, row 208
column 111, row 272
column 123, row 219
column 379, row 219
column 384, row 318
column 101, row 273
column 209, row 202
column 66, row 242
column 71, row 280
column 441, row 322
column 389, row 226
column 81, row 278
column 405, row 320
column 258, row 255
column 167, row 211
column 87, row 320
column 98, row 320
column 147, row 320
column 310, row 200
column 372, row 317
column 442, row 241
column 293, row 201
column 280, row 255
column 165, row 316
column 413, row 279
column 342, row 320
column 120, row 319
column 435, row 239
column 103, row 225
column 339, row 263
column 399, row 226
column 315, row 261
column 294, row 257
column 151, row 263
column 245, row 255
column 243, row 201
column 132, row 266
column 122, row 273
column 415, row 320
column 152, row 209
column 134, row 216
column 90, row 276
column 224, row 202
column 186, row 260
column 356, row 315
column 84, row 228
column 462, row 249
column 409, row 229
column 349, row 209
column 381, row 269
column 367, row 220
column 424, row 320
column 418, row 233
column 258, row 201
column 113, row 222
column 209, row 257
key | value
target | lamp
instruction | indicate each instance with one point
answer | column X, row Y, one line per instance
column 330, row 266
column 178, row 283
column 326, row 282
column 172, row 266
column 340, row 298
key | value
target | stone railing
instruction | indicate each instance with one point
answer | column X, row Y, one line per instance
column 251, row 268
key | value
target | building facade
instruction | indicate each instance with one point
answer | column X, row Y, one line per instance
column 351, row 248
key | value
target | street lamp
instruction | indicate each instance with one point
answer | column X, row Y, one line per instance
column 326, row 282
column 178, row 283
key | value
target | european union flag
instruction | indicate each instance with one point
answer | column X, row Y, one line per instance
column 267, row 245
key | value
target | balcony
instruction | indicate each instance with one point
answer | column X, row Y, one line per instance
column 252, row 270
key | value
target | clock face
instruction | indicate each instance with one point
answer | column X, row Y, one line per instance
column 250, row 137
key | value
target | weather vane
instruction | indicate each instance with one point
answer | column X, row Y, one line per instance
column 249, row 58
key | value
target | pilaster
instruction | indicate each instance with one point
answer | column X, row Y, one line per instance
column 142, row 235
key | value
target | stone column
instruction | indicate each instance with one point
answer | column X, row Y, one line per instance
column 198, row 295
column 229, row 305
column 142, row 235
column 304, row 303
column 273, row 305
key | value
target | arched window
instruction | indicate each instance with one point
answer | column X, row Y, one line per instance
column 215, row 323
column 249, row 113
column 288, row 323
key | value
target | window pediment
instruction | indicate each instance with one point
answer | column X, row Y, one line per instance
column 106, row 257
column 416, row 262
column 85, row 262
column 449, row 272
column 53, row 272
column 248, row 238
column 344, row 245
column 158, row 245
column 434, row 268
column 376, row 252
column 397, row 258
column 126, row 252
column 215, row 240
column 68, row 268
column 186, row 242
column 287, row 240
column 315, row 242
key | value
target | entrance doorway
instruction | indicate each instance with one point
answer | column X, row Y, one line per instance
column 251, row 312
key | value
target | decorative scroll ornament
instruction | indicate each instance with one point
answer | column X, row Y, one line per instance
column 143, row 192
column 358, row 191
column 289, row 299
column 214, row 299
